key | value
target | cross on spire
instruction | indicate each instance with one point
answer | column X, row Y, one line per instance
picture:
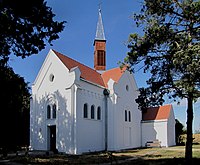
column 100, row 30
column 100, row 5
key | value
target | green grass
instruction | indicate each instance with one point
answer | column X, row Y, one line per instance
column 155, row 156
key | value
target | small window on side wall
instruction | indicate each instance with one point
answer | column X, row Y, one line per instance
column 99, row 113
column 92, row 112
column 125, row 115
column 85, row 111
column 129, row 116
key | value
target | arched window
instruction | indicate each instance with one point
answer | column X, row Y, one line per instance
column 85, row 111
column 92, row 112
column 54, row 111
column 125, row 115
column 48, row 111
column 129, row 116
column 99, row 113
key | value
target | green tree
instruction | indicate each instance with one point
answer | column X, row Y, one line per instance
column 25, row 26
column 14, row 96
column 169, row 50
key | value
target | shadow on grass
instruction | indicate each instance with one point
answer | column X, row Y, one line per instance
column 97, row 158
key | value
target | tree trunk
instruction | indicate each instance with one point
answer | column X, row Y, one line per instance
column 188, row 147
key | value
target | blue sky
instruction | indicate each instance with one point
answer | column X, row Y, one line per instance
column 76, row 41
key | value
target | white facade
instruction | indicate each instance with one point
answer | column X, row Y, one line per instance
column 124, row 134
column 44, row 93
column 57, row 86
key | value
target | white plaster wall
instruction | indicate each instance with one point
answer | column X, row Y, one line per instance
column 154, row 130
column 123, row 134
column 90, row 132
column 59, row 90
column 74, row 133
column 171, row 129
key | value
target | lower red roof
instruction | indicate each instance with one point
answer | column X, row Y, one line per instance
column 157, row 113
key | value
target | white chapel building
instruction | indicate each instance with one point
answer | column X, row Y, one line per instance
column 77, row 109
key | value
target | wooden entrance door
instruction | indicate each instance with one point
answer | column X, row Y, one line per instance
column 52, row 131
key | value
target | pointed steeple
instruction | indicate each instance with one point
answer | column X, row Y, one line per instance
column 100, row 31
column 100, row 46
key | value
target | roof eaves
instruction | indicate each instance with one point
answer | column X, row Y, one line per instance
column 154, row 121
column 92, row 83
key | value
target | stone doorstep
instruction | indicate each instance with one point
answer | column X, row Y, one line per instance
column 155, row 143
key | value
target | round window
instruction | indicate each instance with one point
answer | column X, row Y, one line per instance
column 51, row 77
column 127, row 87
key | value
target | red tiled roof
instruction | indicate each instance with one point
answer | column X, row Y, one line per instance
column 157, row 113
column 114, row 74
column 87, row 73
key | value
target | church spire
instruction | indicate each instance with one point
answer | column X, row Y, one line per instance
column 100, row 31
column 100, row 46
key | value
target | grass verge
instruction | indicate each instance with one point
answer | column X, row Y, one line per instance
column 146, row 156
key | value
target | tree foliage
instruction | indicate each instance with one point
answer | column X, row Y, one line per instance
column 14, row 96
column 179, row 131
column 25, row 27
column 169, row 50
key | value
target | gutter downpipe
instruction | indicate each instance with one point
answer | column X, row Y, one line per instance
column 73, row 89
column 73, row 105
column 106, row 93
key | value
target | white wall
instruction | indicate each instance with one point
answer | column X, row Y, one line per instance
column 90, row 132
column 44, row 92
column 124, row 134
column 171, row 129
column 154, row 130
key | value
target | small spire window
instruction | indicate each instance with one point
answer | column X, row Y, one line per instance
column 100, row 57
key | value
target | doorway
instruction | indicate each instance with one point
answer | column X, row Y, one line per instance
column 52, row 137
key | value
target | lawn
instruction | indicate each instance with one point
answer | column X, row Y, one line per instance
column 145, row 156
